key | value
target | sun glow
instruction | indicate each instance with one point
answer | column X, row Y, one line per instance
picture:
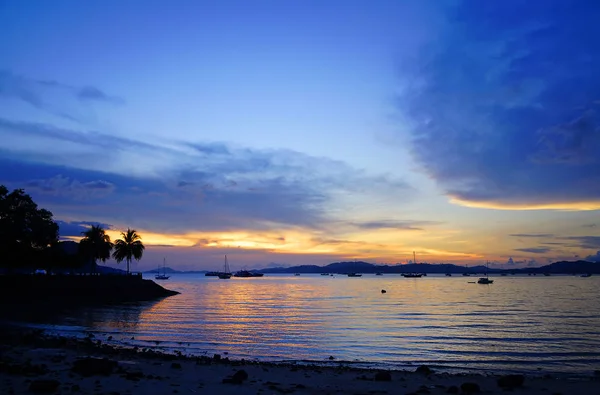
column 567, row 206
column 379, row 245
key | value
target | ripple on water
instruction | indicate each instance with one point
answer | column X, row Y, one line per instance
column 517, row 324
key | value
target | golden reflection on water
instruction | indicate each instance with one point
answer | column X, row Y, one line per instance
column 516, row 320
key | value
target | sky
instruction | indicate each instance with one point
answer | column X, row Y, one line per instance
column 309, row 132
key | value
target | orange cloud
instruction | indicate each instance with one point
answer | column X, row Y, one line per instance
column 566, row 206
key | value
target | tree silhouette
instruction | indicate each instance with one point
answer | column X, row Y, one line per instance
column 129, row 247
column 96, row 244
column 26, row 231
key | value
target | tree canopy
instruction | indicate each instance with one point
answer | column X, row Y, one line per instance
column 26, row 231
column 128, row 247
column 96, row 244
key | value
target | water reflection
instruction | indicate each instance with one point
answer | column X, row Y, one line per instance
column 552, row 322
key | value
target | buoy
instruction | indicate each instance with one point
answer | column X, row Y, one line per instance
column 383, row 291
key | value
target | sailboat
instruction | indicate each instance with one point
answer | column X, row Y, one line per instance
column 412, row 275
column 226, row 275
column 162, row 276
column 485, row 280
column 466, row 274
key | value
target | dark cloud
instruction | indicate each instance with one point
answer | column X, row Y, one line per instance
column 210, row 148
column 590, row 226
column 392, row 224
column 73, row 189
column 42, row 94
column 533, row 235
column 239, row 189
column 505, row 104
column 593, row 258
column 534, row 250
column 587, row 242
column 90, row 93
column 75, row 228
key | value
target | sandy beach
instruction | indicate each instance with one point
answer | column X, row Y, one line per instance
column 36, row 363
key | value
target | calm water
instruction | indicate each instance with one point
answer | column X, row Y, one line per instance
column 534, row 324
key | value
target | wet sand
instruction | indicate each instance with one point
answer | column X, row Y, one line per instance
column 30, row 361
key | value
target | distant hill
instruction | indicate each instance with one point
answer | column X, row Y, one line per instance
column 174, row 271
column 567, row 267
column 110, row 270
column 365, row 267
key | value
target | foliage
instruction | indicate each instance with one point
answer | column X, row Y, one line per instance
column 26, row 231
column 96, row 245
column 128, row 247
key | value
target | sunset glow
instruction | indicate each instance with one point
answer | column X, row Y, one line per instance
column 295, row 133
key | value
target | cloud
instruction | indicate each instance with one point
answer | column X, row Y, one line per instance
column 34, row 91
column 532, row 235
column 182, row 187
column 73, row 189
column 393, row 224
column 75, row 228
column 59, row 99
column 593, row 258
column 587, row 242
column 504, row 106
column 534, row 250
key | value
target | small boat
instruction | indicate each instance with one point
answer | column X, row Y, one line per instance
column 448, row 275
column 226, row 274
column 246, row 273
column 296, row 274
column 586, row 275
column 412, row 275
column 379, row 274
column 485, row 280
column 211, row 274
column 354, row 275
column 163, row 275
column 465, row 273
column 324, row 274
column 546, row 274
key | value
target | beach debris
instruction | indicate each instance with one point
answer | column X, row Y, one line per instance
column 134, row 376
column 27, row 369
column 383, row 376
column 424, row 369
column 511, row 381
column 43, row 386
column 470, row 388
column 175, row 365
column 237, row 378
column 383, row 291
column 94, row 366
column 452, row 390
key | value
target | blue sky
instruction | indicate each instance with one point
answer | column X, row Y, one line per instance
column 309, row 131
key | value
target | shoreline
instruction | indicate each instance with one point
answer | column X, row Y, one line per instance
column 117, row 341
column 28, row 356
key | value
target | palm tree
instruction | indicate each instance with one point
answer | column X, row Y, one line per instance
column 96, row 244
column 129, row 247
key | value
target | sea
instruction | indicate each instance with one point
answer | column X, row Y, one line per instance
column 520, row 323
